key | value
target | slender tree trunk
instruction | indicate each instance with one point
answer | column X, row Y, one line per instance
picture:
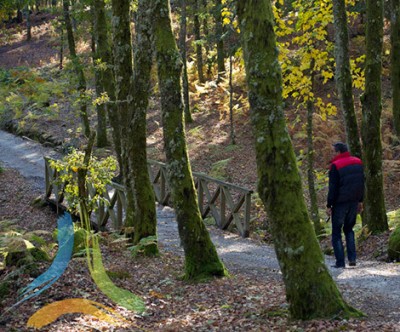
column 219, row 31
column 343, row 76
column 61, row 47
column 375, row 211
column 310, row 290
column 201, row 258
column 78, row 69
column 122, row 51
column 106, row 75
column 205, row 29
column 145, row 220
column 28, row 24
column 310, row 158
column 182, row 46
column 100, row 108
column 233, row 141
column 395, row 63
column 197, row 37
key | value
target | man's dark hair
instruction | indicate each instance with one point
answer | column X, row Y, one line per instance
column 340, row 147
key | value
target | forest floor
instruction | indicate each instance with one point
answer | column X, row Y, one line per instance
column 253, row 298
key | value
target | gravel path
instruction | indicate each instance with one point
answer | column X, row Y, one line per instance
column 373, row 287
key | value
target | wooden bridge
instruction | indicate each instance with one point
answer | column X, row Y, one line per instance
column 228, row 204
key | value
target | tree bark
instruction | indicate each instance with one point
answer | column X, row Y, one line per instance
column 145, row 220
column 100, row 108
column 232, row 128
column 219, row 31
column 310, row 290
column 201, row 258
column 106, row 75
column 375, row 212
column 310, row 157
column 395, row 63
column 182, row 47
column 28, row 24
column 197, row 37
column 78, row 68
column 343, row 76
column 122, row 54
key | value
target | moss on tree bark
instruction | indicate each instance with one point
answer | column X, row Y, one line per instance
column 105, row 74
column 201, row 258
column 310, row 290
column 343, row 76
column 123, row 71
column 78, row 68
column 145, row 220
column 374, row 208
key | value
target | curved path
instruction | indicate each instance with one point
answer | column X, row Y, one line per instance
column 373, row 287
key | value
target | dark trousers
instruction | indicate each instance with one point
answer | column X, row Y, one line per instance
column 344, row 217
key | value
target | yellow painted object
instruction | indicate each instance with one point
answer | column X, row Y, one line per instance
column 52, row 311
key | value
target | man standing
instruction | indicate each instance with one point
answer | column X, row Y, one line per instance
column 346, row 190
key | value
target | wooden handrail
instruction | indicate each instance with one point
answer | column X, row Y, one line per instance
column 218, row 202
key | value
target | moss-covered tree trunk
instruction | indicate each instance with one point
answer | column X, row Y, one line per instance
column 182, row 48
column 219, row 31
column 201, row 258
column 343, row 76
column 101, row 128
column 78, row 68
column 374, row 203
column 105, row 73
column 145, row 220
column 310, row 158
column 395, row 63
column 197, row 38
column 123, row 71
column 310, row 290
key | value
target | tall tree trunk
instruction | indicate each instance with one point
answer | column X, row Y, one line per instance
column 182, row 47
column 78, row 69
column 100, row 108
column 310, row 290
column 395, row 63
column 201, row 258
column 219, row 31
column 310, row 157
column 28, row 24
column 343, row 76
column 232, row 131
column 106, row 75
column 206, row 32
column 122, row 54
column 197, row 38
column 60, row 66
column 145, row 220
column 375, row 211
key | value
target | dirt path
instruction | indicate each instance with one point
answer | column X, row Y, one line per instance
column 373, row 287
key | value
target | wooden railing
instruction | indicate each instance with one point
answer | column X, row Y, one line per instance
column 227, row 203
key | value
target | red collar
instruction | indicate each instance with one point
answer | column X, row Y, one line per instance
column 340, row 156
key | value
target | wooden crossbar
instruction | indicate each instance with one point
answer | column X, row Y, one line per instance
column 216, row 201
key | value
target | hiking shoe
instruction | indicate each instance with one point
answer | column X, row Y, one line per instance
column 352, row 263
column 338, row 266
